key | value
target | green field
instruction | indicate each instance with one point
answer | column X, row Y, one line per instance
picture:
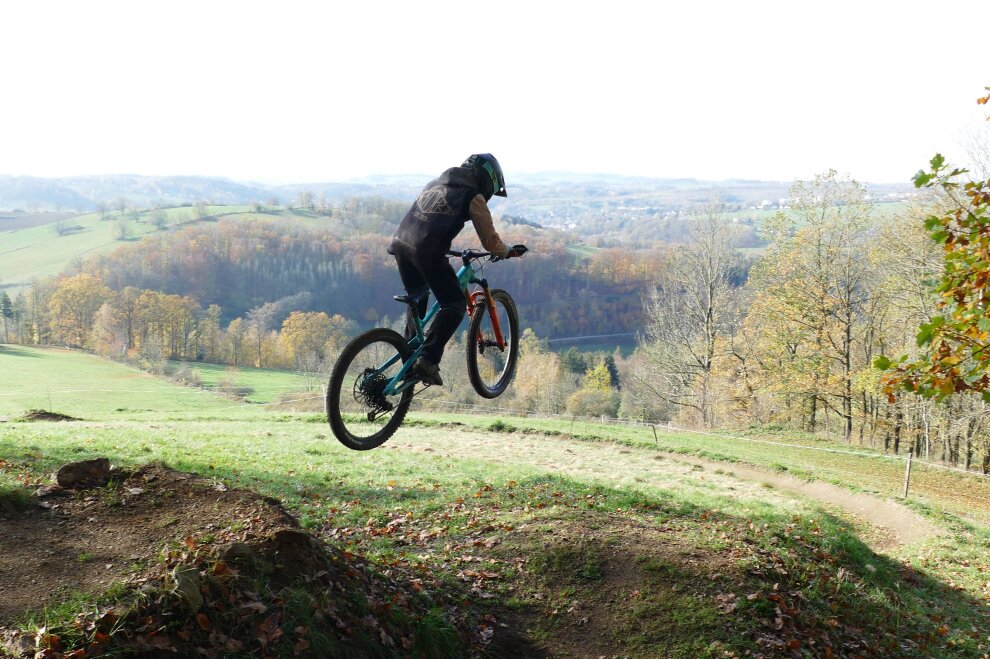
column 759, row 216
column 86, row 387
column 253, row 385
column 594, row 538
column 38, row 251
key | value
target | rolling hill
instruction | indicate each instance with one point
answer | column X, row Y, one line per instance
column 525, row 542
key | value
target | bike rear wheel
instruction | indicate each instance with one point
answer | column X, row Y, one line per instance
column 361, row 416
column 490, row 367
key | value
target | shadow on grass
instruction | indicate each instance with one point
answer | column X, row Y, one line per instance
column 11, row 350
column 670, row 578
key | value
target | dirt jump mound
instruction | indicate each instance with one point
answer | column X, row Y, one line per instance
column 173, row 563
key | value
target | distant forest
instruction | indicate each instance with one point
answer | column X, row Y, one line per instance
column 242, row 265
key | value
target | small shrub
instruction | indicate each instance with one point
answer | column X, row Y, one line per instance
column 228, row 387
column 498, row 425
column 187, row 376
column 590, row 402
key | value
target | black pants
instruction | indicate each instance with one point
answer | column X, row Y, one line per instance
column 421, row 273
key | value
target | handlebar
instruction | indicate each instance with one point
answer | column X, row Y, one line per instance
column 468, row 255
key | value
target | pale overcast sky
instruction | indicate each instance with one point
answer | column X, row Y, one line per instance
column 314, row 91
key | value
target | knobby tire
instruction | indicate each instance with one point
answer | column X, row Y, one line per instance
column 481, row 323
column 339, row 380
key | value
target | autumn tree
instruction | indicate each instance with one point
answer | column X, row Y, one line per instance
column 210, row 334
column 72, row 307
column 812, row 292
column 306, row 199
column 235, row 342
column 310, row 336
column 540, row 384
column 109, row 332
column 637, row 400
column 596, row 397
column 260, row 322
column 6, row 312
column 168, row 322
column 122, row 229
column 688, row 311
column 159, row 218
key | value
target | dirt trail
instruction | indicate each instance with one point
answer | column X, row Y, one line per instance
column 905, row 525
column 891, row 524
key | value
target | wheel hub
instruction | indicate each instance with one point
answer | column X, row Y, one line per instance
column 369, row 390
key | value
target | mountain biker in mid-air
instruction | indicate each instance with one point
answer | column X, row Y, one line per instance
column 424, row 236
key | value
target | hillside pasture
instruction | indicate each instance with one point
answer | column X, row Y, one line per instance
column 587, row 539
column 15, row 221
column 31, row 249
column 253, row 385
column 80, row 385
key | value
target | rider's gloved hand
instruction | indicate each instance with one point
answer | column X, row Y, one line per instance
column 517, row 250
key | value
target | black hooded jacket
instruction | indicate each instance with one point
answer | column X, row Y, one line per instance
column 440, row 212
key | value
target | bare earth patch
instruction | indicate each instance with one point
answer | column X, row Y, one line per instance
column 85, row 542
column 198, row 569
column 44, row 415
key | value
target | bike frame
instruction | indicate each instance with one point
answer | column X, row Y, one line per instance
column 465, row 277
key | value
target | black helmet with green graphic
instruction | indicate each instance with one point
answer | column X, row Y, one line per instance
column 491, row 173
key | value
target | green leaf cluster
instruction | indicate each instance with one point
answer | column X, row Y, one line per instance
column 956, row 342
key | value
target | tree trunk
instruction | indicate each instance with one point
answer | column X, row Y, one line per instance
column 970, row 431
column 813, row 413
column 886, row 434
column 865, row 405
column 847, row 397
column 898, row 423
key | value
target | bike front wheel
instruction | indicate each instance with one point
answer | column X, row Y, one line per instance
column 360, row 414
column 490, row 364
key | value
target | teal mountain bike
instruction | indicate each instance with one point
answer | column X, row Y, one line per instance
column 373, row 384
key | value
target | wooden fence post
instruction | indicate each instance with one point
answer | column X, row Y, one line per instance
column 907, row 474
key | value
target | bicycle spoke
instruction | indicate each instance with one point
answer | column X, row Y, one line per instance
column 361, row 413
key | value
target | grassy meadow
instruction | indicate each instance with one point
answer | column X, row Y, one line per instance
column 36, row 252
column 253, row 385
column 625, row 551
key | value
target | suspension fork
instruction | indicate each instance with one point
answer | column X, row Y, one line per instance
column 484, row 296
